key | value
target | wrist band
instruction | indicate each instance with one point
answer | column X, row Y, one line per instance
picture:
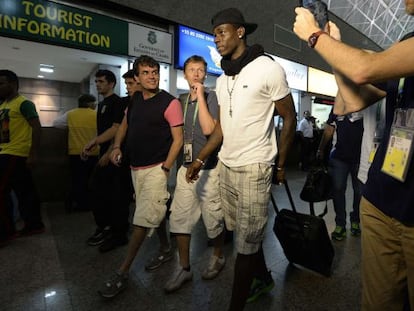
column 116, row 147
column 200, row 161
column 279, row 168
column 165, row 169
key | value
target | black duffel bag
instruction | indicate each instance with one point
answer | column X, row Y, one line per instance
column 318, row 185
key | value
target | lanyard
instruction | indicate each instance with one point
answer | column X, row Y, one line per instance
column 195, row 111
column 400, row 92
column 194, row 116
column 378, row 112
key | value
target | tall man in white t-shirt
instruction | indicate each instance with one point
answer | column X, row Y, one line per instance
column 251, row 91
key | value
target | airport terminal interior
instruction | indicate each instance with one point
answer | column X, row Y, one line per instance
column 58, row 271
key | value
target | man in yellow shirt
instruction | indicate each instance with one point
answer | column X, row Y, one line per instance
column 81, row 125
column 19, row 138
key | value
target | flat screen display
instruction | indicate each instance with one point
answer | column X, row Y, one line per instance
column 194, row 42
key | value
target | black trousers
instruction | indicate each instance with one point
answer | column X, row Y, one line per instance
column 111, row 196
column 81, row 172
column 16, row 176
column 307, row 152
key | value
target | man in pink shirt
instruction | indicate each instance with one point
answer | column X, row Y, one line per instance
column 153, row 132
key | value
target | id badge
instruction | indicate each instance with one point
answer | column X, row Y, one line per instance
column 399, row 152
column 188, row 153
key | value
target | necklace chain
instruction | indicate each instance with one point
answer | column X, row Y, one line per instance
column 230, row 92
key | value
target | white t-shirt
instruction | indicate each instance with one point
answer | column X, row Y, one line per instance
column 249, row 134
column 306, row 127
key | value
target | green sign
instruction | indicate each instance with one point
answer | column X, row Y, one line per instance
column 50, row 22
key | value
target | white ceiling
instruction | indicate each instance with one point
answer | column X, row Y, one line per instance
column 24, row 58
column 383, row 21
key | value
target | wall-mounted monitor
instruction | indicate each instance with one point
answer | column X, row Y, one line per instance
column 190, row 41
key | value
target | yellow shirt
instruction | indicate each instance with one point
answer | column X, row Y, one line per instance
column 82, row 128
column 16, row 132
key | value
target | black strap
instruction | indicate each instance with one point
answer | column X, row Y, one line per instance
column 312, row 209
column 292, row 203
column 289, row 194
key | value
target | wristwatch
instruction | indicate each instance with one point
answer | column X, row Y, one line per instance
column 313, row 39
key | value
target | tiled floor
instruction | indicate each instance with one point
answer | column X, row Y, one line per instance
column 58, row 271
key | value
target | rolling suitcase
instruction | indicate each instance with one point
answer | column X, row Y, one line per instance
column 304, row 238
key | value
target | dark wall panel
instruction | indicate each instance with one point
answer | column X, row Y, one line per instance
column 272, row 17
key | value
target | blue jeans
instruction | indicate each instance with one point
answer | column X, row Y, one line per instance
column 339, row 171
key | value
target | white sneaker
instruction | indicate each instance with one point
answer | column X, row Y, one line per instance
column 178, row 279
column 215, row 265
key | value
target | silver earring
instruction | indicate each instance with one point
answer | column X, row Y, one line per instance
column 240, row 37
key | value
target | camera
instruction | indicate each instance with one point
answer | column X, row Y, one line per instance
column 319, row 9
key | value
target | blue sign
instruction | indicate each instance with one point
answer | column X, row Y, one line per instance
column 193, row 42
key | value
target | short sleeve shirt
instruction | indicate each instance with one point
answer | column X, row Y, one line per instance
column 249, row 132
column 16, row 138
column 110, row 111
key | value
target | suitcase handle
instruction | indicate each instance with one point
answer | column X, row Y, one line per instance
column 292, row 203
column 289, row 194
